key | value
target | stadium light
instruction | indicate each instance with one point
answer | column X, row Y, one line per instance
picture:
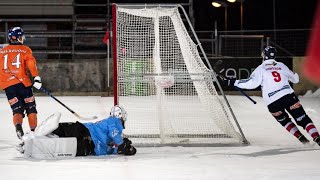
column 219, row 4
column 232, row 1
column 216, row 4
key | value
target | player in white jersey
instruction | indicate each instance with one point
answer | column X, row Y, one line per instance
column 274, row 78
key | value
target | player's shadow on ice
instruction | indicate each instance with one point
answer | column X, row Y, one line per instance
column 278, row 151
column 257, row 153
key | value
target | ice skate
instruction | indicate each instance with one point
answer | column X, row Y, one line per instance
column 19, row 131
column 317, row 140
column 19, row 147
column 303, row 139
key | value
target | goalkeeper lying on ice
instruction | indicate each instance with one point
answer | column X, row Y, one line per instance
column 55, row 140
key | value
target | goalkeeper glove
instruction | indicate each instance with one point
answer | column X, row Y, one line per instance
column 126, row 149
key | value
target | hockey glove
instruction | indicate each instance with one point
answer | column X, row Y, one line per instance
column 230, row 82
column 227, row 82
column 126, row 149
column 37, row 82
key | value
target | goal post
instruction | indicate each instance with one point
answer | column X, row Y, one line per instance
column 162, row 82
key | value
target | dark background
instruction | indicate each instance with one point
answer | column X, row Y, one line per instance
column 257, row 14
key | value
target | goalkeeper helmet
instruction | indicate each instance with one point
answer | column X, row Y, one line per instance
column 269, row 53
column 16, row 34
column 119, row 112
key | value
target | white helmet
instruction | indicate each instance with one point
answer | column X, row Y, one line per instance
column 119, row 112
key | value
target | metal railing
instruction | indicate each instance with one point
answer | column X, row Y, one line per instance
column 290, row 42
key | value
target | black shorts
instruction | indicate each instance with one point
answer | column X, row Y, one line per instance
column 85, row 145
column 291, row 104
column 21, row 99
column 283, row 103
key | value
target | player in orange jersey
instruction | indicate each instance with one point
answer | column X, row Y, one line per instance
column 15, row 60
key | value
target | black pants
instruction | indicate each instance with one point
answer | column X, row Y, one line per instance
column 85, row 145
column 21, row 99
column 291, row 104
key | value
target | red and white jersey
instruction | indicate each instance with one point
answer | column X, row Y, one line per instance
column 274, row 79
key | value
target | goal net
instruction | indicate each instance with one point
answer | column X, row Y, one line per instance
column 162, row 82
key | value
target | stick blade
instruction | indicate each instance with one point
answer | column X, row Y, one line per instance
column 86, row 118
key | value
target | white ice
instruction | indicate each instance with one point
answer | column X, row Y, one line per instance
column 273, row 153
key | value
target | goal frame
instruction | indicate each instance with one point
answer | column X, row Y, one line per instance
column 115, row 61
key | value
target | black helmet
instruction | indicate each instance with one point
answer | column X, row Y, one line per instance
column 17, row 34
column 269, row 53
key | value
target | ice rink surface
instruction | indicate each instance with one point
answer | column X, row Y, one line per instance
column 273, row 153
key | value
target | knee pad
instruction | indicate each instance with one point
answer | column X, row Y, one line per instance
column 16, row 106
column 282, row 117
column 30, row 110
column 300, row 116
column 303, row 120
column 30, row 105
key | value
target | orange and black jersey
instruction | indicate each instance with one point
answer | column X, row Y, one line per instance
column 15, row 60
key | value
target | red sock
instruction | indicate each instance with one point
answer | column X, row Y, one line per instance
column 17, row 119
column 32, row 118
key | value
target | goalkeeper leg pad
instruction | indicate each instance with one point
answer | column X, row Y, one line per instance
column 48, row 125
column 42, row 147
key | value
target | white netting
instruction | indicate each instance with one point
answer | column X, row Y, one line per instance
column 155, row 48
column 164, row 81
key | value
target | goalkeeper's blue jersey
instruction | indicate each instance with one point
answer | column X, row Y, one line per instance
column 106, row 135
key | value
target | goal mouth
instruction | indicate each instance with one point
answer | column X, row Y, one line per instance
column 162, row 81
column 185, row 140
column 219, row 144
column 179, row 136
